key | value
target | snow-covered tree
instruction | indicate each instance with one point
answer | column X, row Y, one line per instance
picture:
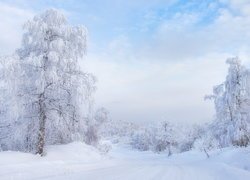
column 165, row 137
column 52, row 93
column 94, row 126
column 142, row 139
column 231, row 99
column 4, row 106
column 8, row 102
column 52, row 79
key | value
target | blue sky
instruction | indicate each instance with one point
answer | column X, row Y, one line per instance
column 154, row 60
column 138, row 20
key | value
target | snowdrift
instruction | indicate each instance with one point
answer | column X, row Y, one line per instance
column 80, row 161
column 59, row 160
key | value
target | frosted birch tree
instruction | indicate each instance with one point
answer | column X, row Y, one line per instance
column 54, row 95
column 231, row 100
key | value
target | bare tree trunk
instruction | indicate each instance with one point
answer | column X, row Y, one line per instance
column 169, row 150
column 230, row 111
column 206, row 152
column 42, row 121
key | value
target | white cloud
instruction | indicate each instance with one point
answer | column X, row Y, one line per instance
column 11, row 22
column 163, row 76
column 168, row 76
column 153, row 91
column 239, row 7
column 181, row 37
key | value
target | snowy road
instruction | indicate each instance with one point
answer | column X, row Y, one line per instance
column 78, row 161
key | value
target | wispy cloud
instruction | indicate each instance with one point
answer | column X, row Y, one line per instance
column 11, row 22
column 154, row 59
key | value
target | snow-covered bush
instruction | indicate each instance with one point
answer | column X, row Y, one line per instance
column 118, row 130
column 206, row 140
column 92, row 134
column 165, row 137
column 142, row 140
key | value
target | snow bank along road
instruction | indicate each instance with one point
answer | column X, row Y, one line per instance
column 79, row 161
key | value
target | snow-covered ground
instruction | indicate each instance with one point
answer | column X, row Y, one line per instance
column 79, row 161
